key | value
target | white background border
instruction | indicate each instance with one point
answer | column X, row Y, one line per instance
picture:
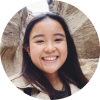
column 7, row 10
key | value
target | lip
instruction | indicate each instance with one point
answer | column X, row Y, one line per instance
column 49, row 56
column 48, row 61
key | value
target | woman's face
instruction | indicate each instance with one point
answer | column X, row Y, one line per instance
column 48, row 45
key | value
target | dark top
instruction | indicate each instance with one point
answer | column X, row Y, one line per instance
column 64, row 92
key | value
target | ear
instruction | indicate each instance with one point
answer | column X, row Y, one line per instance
column 26, row 47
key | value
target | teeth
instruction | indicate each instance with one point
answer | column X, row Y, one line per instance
column 50, row 58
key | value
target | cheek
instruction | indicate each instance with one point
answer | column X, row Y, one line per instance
column 34, row 50
column 63, row 48
column 35, row 53
column 63, row 51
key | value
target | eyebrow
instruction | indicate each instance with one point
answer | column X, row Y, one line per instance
column 39, row 35
column 60, row 34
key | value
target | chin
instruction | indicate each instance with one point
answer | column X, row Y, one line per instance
column 50, row 71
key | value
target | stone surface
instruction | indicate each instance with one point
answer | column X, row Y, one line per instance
column 83, row 34
column 81, row 29
column 89, row 67
column 86, row 41
column 11, row 43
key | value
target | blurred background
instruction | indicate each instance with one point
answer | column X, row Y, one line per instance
column 80, row 27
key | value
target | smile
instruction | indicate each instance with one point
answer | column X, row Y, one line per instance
column 49, row 58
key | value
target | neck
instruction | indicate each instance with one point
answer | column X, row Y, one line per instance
column 54, row 80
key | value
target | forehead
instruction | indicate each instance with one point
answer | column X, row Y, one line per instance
column 47, row 25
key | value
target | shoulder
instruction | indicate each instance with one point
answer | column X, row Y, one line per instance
column 73, row 88
column 19, row 81
column 21, row 84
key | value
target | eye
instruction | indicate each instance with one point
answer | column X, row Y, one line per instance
column 58, row 40
column 40, row 41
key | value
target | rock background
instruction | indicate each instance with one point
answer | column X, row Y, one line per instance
column 12, row 40
column 81, row 29
column 83, row 33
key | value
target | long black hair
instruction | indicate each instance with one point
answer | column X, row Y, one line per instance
column 70, row 72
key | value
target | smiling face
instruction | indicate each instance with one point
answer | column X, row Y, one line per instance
column 47, row 45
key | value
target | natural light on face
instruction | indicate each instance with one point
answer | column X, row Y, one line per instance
column 48, row 46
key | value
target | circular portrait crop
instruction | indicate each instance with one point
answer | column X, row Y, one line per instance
column 50, row 55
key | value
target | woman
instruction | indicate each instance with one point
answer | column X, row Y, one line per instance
column 50, row 68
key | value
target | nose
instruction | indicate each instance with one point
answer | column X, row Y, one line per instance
column 49, row 48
